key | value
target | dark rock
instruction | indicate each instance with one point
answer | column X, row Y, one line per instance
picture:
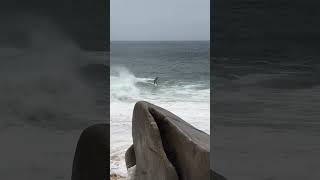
column 91, row 156
column 130, row 157
column 166, row 147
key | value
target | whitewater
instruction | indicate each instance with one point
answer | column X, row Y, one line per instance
column 190, row 101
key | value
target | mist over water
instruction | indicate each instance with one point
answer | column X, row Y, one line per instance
column 183, row 87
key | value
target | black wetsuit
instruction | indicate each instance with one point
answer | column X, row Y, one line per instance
column 155, row 81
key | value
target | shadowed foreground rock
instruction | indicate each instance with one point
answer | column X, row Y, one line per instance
column 92, row 153
column 130, row 157
column 165, row 147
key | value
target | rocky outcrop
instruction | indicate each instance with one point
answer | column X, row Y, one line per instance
column 91, row 156
column 165, row 147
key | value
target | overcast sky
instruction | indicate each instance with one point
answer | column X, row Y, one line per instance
column 160, row 20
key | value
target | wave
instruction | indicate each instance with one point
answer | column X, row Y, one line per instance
column 126, row 87
column 178, row 96
column 123, row 85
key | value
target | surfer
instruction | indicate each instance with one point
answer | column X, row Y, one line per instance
column 155, row 81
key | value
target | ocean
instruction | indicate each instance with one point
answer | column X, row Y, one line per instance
column 265, row 117
column 50, row 91
column 183, row 87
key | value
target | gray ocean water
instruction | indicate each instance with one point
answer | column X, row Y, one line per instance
column 171, row 61
column 265, row 114
column 183, row 87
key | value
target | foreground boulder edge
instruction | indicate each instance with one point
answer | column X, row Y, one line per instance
column 165, row 147
column 91, row 155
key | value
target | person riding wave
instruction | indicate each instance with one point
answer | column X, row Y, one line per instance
column 155, row 81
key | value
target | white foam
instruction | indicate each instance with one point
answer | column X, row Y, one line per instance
column 188, row 101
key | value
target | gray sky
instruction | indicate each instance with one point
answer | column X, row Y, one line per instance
column 160, row 20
